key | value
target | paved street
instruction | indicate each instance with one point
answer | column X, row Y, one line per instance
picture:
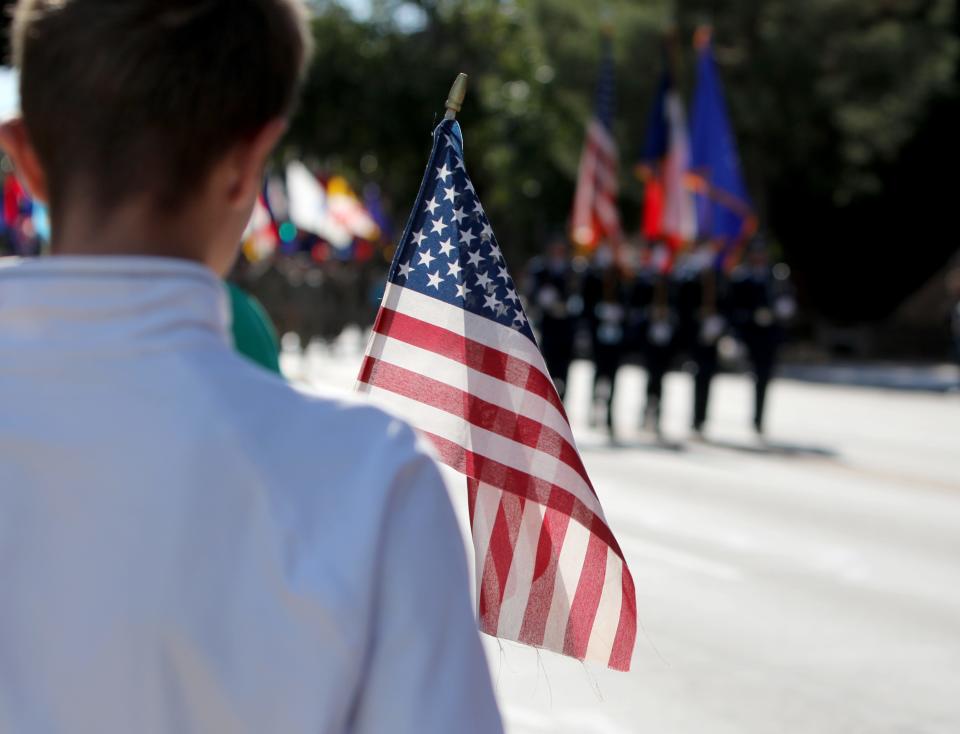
column 807, row 585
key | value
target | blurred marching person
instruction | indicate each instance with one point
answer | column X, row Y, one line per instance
column 180, row 553
column 761, row 304
column 725, row 216
column 654, row 324
column 699, row 304
column 670, row 222
column 554, row 288
column 605, row 301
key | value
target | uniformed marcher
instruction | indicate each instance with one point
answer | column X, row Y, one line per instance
column 698, row 287
column 761, row 303
column 654, row 324
column 554, row 286
column 605, row 301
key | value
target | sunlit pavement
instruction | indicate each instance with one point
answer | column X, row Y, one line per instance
column 807, row 584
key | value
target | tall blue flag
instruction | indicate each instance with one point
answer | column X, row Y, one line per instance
column 724, row 210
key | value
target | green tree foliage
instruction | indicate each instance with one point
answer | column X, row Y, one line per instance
column 825, row 95
column 830, row 91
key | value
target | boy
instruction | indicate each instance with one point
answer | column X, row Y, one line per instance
column 186, row 544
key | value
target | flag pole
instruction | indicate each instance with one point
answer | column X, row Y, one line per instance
column 458, row 93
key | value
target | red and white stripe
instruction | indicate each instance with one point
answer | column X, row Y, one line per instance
column 595, row 215
column 549, row 571
column 679, row 210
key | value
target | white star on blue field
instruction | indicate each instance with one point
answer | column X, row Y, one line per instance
column 449, row 250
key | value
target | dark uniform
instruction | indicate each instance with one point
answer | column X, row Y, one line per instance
column 554, row 289
column 605, row 300
column 653, row 323
column 699, row 298
column 760, row 306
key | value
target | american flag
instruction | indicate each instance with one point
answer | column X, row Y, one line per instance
column 452, row 351
column 595, row 216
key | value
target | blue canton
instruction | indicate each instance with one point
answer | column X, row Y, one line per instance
column 448, row 250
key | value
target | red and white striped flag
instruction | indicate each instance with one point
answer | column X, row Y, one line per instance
column 453, row 353
column 595, row 215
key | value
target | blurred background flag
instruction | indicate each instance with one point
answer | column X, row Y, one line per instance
column 452, row 351
column 724, row 211
column 374, row 203
column 309, row 207
column 348, row 211
column 16, row 201
column 595, row 216
column 669, row 212
column 261, row 237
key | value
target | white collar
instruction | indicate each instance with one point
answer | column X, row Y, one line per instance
column 109, row 303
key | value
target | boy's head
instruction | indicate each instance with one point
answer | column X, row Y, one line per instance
column 146, row 101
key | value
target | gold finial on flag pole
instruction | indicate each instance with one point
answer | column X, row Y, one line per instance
column 455, row 99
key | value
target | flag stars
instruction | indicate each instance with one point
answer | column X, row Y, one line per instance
column 466, row 237
column 456, row 249
column 426, row 258
column 491, row 302
column 484, row 281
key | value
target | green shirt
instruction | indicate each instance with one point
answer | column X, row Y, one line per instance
column 254, row 336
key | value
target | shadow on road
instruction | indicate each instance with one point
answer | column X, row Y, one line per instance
column 768, row 448
column 615, row 445
column 773, row 448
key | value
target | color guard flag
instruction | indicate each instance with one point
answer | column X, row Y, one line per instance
column 453, row 352
column 724, row 211
column 669, row 211
column 595, row 216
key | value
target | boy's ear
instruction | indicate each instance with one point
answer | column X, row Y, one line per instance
column 16, row 143
column 250, row 159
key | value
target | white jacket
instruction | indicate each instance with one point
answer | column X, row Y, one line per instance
column 187, row 544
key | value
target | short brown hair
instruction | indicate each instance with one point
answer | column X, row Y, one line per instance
column 123, row 97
